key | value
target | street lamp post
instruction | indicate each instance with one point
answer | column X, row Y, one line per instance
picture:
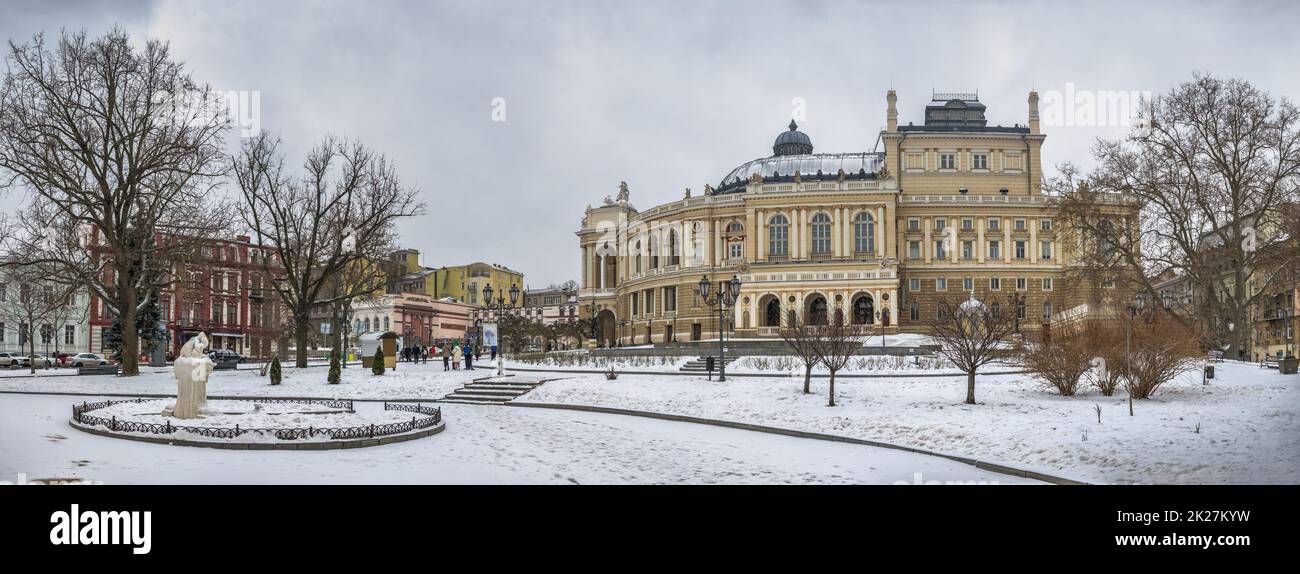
column 622, row 331
column 1134, row 309
column 501, row 309
column 724, row 295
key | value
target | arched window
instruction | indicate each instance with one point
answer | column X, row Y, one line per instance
column 778, row 236
column 817, row 311
column 864, row 234
column 639, row 268
column 864, row 311
column 821, row 234
column 654, row 251
column 356, row 326
column 672, row 247
column 367, row 329
column 772, row 313
column 386, row 323
column 735, row 227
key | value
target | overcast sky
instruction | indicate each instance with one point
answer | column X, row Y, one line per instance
column 662, row 95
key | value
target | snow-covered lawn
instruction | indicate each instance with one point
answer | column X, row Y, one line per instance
column 1249, row 428
column 482, row 445
column 1249, row 431
column 408, row 381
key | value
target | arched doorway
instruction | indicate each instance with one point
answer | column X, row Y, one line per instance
column 864, row 310
column 605, row 335
column 817, row 310
column 771, row 312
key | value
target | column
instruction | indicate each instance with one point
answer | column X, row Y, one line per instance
column 760, row 246
column 980, row 248
column 1006, row 241
column 794, row 233
column 719, row 246
column 881, row 229
column 837, row 232
column 586, row 268
column 1033, row 241
column 927, row 246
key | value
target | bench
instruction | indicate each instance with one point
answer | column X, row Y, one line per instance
column 1269, row 362
column 98, row 370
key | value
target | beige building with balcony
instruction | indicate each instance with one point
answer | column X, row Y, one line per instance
column 943, row 209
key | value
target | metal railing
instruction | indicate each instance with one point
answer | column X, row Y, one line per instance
column 433, row 417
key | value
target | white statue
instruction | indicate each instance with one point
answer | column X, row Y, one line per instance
column 192, row 369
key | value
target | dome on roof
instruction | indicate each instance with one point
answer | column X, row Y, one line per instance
column 792, row 142
column 972, row 305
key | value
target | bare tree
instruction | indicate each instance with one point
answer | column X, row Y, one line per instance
column 119, row 149
column 971, row 335
column 836, row 342
column 1061, row 360
column 33, row 304
column 1162, row 348
column 801, row 337
column 1209, row 162
column 338, row 217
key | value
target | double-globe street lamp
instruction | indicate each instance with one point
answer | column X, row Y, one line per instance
column 722, row 295
column 501, row 309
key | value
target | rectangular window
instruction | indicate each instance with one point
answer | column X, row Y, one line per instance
column 2, row 332
column 1020, row 310
column 1045, row 250
column 940, row 224
column 232, row 314
column 995, row 249
column 1047, row 311
column 968, row 284
column 913, row 224
column 1021, row 284
column 968, row 250
column 915, row 312
column 1045, row 225
column 737, row 250
column 914, row 249
column 4, row 288
column 1047, row 284
column 636, row 309
column 995, row 223
column 913, row 285
column 1020, row 249
column 941, row 284
column 995, row 283
column 69, row 334
column 649, row 302
column 939, row 251
column 670, row 299
column 980, row 161
column 22, row 333
column 947, row 161
column 967, row 224
column 216, row 312
column 1020, row 225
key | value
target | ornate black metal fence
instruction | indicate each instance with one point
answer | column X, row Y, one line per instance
column 432, row 417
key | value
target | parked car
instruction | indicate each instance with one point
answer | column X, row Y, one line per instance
column 42, row 361
column 87, row 360
column 225, row 356
column 14, row 360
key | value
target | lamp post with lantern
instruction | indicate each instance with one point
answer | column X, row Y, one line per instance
column 501, row 307
column 721, row 295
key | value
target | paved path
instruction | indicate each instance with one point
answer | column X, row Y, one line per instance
column 482, row 444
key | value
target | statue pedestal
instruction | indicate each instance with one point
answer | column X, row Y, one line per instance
column 191, row 386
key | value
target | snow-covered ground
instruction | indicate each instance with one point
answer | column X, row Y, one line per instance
column 482, row 445
column 1248, row 418
column 1249, row 428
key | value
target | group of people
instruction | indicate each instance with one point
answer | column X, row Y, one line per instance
column 453, row 354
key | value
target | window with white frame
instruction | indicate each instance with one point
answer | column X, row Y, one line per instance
column 941, row 284
column 967, row 224
column 778, row 236
column 1047, row 284
column 914, row 249
column 1045, row 250
column 1047, row 311
column 995, row 249
column 1045, row 225
column 947, row 161
column 914, row 224
column 670, row 299
column 821, row 234
column 968, row 250
column 1021, row 284
column 940, row 251
column 737, row 250
column 995, row 283
column 1020, row 249
column 940, row 223
column 968, row 284
column 980, row 161
column 1020, row 224
column 69, row 334
column 995, row 223
column 864, row 233
column 914, row 284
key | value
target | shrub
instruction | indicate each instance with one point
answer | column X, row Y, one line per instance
column 276, row 373
column 334, row 369
column 1162, row 348
column 377, row 365
column 1061, row 361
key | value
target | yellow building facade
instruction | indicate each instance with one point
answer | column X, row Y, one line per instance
column 949, row 207
column 463, row 283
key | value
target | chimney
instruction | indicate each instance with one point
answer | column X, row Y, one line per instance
column 1033, row 112
column 891, row 116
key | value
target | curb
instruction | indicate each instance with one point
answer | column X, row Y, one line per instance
column 769, row 375
column 325, row 445
column 215, row 397
column 982, row 465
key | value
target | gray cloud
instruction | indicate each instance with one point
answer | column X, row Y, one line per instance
column 662, row 95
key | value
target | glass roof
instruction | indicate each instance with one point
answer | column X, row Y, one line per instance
column 807, row 165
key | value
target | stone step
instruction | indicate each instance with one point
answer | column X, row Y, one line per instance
column 478, row 397
column 500, row 387
column 492, row 392
column 468, row 402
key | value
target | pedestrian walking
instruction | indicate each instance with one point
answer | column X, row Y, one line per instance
column 456, row 354
column 469, row 357
column 446, row 358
